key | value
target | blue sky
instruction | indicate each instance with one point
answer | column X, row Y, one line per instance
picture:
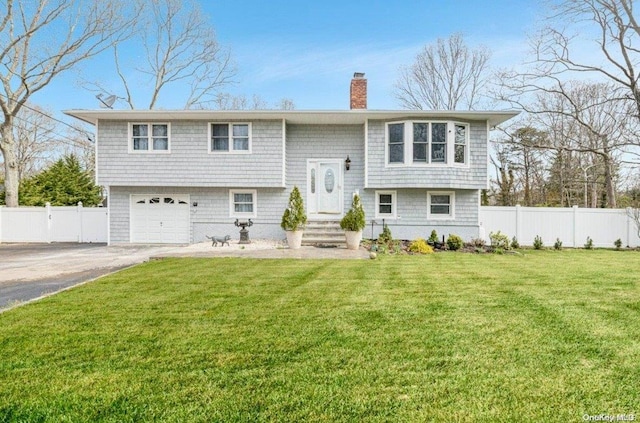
column 308, row 51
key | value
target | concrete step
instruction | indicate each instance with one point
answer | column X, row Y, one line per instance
column 323, row 233
column 321, row 241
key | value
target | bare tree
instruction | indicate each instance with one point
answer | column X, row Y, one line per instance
column 286, row 104
column 446, row 75
column 35, row 140
column 520, row 146
column 227, row 101
column 615, row 56
column 580, row 117
column 504, row 183
column 179, row 49
column 39, row 40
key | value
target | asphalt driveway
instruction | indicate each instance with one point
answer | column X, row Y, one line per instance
column 30, row 271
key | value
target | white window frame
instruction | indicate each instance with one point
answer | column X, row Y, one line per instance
column 404, row 147
column 452, row 208
column 232, row 209
column 408, row 144
column 231, row 149
column 149, row 149
column 447, row 145
column 467, row 132
column 394, row 205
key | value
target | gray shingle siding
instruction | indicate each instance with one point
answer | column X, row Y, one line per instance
column 472, row 177
column 211, row 216
column 207, row 178
column 189, row 163
column 325, row 142
column 412, row 219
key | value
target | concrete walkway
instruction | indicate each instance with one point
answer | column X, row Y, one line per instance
column 207, row 250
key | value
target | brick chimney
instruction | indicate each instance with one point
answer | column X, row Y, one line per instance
column 358, row 91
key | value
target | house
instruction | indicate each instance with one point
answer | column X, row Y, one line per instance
column 175, row 176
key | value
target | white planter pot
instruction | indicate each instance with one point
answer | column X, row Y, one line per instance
column 353, row 239
column 294, row 239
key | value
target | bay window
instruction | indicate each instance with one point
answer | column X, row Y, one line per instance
column 425, row 143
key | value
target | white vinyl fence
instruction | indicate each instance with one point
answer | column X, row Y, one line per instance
column 571, row 225
column 53, row 224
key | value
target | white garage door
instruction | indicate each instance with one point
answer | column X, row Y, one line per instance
column 162, row 219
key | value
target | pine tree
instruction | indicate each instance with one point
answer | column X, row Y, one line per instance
column 354, row 219
column 65, row 183
column 294, row 217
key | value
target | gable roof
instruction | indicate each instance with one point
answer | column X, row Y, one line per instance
column 335, row 117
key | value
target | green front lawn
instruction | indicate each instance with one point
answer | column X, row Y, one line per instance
column 546, row 336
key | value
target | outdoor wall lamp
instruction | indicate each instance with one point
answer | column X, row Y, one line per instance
column 347, row 163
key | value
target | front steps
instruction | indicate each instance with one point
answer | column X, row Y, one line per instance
column 326, row 233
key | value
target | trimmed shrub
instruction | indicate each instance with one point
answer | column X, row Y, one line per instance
column 557, row 245
column 385, row 236
column 294, row 217
column 499, row 240
column 454, row 242
column 514, row 243
column 433, row 238
column 420, row 246
column 477, row 242
column 354, row 219
column 537, row 243
column 589, row 244
column 618, row 243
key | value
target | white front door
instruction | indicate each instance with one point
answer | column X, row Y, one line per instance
column 161, row 218
column 324, row 187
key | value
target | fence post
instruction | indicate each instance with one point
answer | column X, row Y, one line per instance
column 81, row 220
column 575, row 226
column 628, row 215
column 1, row 208
column 47, row 208
column 518, row 223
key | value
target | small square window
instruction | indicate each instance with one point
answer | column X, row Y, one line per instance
column 440, row 205
column 385, row 204
column 242, row 203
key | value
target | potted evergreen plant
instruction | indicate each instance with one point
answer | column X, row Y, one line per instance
column 353, row 223
column 294, row 219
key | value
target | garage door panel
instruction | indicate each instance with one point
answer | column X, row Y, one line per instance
column 160, row 218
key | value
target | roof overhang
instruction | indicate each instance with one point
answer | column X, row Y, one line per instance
column 331, row 117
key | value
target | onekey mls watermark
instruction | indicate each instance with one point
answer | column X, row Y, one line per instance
column 631, row 417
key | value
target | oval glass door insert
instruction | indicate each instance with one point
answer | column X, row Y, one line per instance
column 329, row 181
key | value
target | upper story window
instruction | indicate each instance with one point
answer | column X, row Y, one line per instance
column 460, row 143
column 149, row 137
column 438, row 143
column 230, row 138
column 396, row 142
column 443, row 143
